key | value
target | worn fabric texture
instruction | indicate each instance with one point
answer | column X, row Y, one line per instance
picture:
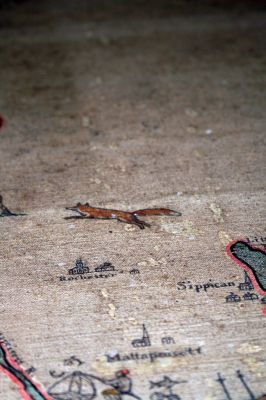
column 131, row 106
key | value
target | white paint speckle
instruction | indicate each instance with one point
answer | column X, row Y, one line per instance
column 104, row 293
column 217, row 212
column 112, row 310
column 130, row 228
column 112, row 353
column 247, row 348
column 85, row 122
column 224, row 237
column 191, row 113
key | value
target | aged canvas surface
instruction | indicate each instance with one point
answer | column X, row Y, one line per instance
column 128, row 108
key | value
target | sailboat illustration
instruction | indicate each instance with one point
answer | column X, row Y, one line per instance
column 74, row 386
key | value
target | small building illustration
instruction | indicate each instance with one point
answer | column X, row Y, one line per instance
column 105, row 267
column 247, row 284
column 134, row 271
column 250, row 296
column 168, row 340
column 232, row 298
column 79, row 269
column 144, row 341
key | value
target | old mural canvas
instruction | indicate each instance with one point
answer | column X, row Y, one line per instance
column 131, row 111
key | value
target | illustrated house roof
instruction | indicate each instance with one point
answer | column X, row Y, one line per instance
column 105, row 267
column 232, row 298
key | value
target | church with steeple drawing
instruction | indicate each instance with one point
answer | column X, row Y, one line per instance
column 247, row 284
column 80, row 268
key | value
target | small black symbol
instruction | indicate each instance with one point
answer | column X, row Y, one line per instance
column 79, row 269
column 221, row 380
column 5, row 212
column 144, row 341
column 250, row 296
column 247, row 284
column 105, row 267
column 168, row 340
column 73, row 360
column 232, row 298
column 54, row 374
column 134, row 271
column 263, row 300
column 244, row 383
column 257, row 240
column 166, row 384
column 31, row 370
column 241, row 377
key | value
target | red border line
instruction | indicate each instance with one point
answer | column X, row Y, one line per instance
column 20, row 385
column 244, row 266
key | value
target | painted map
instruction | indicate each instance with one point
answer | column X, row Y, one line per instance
column 132, row 200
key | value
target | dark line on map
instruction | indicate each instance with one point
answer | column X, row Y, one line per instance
column 28, row 389
column 221, row 380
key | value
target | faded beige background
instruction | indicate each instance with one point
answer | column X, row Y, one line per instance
column 132, row 107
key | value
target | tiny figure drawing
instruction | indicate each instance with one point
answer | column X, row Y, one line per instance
column 87, row 211
column 5, row 212
column 121, row 387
